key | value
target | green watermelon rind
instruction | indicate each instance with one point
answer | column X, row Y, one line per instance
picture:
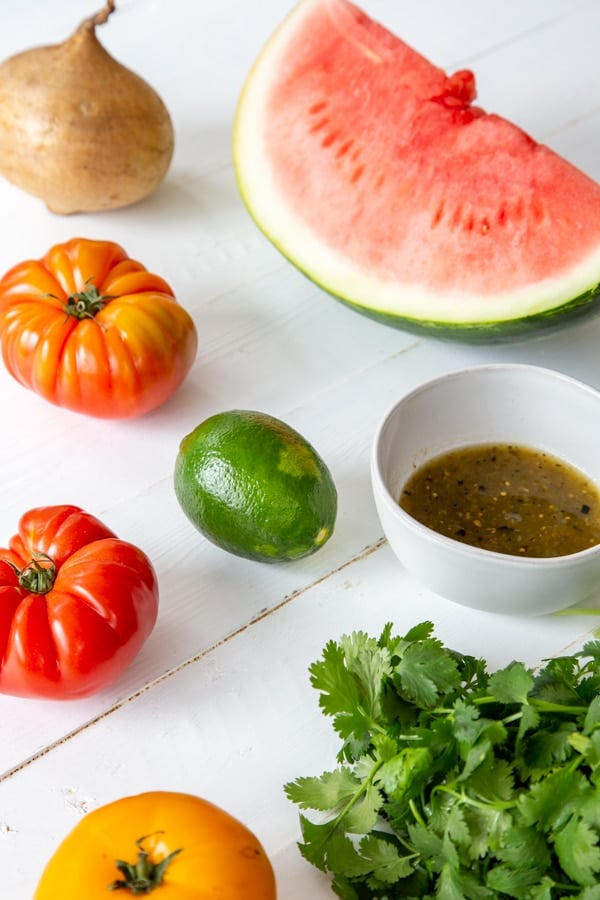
column 539, row 324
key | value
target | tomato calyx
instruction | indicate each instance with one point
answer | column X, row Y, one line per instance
column 86, row 303
column 37, row 576
column 142, row 876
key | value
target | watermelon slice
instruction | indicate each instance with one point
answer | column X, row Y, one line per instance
column 373, row 172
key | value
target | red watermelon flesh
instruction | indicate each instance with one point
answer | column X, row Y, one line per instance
column 372, row 171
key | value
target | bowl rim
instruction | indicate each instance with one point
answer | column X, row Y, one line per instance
column 460, row 548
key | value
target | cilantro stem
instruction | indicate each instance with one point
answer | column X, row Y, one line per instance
column 335, row 823
column 514, row 718
column 537, row 703
column 417, row 815
column 547, row 706
column 472, row 801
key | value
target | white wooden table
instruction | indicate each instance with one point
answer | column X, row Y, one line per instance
column 218, row 703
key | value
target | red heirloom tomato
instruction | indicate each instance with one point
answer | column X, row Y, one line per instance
column 76, row 605
column 89, row 329
column 163, row 844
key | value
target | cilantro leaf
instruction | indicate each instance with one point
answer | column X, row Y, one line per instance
column 326, row 792
column 418, row 632
column 556, row 684
column 363, row 814
column 591, row 750
column 545, row 747
column 475, row 757
column 345, row 859
column 491, row 733
column 368, row 662
column 405, row 774
column 544, row 890
column 524, row 848
column 592, row 716
column 513, row 882
column 456, row 882
column 590, row 648
column 449, row 885
column 456, row 827
column 339, row 693
column 473, row 673
column 467, row 724
column 530, row 719
column 578, row 851
column 426, row 670
column 590, row 893
column 427, row 843
column 493, row 781
column 349, row 677
column 387, row 865
column 316, row 837
column 488, row 826
column 346, row 889
column 512, row 684
column 452, row 880
column 550, row 802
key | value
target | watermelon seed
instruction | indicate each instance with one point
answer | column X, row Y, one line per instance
column 344, row 149
column 329, row 139
column 437, row 216
column 320, row 124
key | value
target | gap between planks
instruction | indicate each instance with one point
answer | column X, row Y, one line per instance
column 363, row 554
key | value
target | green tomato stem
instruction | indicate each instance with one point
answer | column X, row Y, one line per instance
column 85, row 304
column 38, row 576
column 142, row 876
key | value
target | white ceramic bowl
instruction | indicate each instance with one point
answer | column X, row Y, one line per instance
column 517, row 404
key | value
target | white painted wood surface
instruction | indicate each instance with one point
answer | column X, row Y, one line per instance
column 218, row 703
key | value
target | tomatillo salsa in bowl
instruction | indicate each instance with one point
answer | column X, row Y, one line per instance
column 486, row 481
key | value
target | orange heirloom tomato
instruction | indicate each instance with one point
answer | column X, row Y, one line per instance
column 76, row 605
column 92, row 330
column 178, row 845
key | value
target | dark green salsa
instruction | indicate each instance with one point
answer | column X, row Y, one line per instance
column 507, row 498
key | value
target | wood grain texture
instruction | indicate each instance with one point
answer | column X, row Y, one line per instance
column 219, row 698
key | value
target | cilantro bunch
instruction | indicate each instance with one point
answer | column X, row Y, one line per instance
column 453, row 782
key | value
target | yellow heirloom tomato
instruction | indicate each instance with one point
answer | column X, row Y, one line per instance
column 171, row 845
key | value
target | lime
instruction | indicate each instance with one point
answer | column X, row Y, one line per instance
column 255, row 487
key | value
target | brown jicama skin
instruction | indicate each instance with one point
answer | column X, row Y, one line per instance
column 78, row 129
